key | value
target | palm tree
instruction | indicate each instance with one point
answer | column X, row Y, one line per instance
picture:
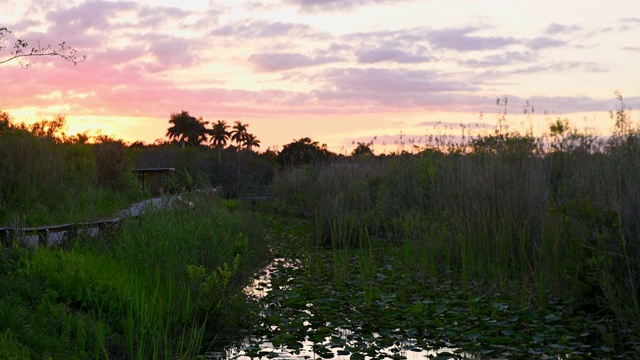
column 199, row 133
column 251, row 141
column 219, row 137
column 239, row 133
column 187, row 127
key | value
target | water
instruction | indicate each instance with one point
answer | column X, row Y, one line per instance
column 340, row 344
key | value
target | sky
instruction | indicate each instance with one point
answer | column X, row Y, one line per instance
column 338, row 71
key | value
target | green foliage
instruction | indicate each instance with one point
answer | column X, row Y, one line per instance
column 10, row 348
column 214, row 285
column 36, row 323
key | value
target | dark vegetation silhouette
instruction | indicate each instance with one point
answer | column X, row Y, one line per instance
column 303, row 151
column 239, row 134
column 219, row 136
column 65, row 176
column 362, row 149
column 186, row 129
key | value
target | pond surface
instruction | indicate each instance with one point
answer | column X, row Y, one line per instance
column 339, row 345
column 369, row 304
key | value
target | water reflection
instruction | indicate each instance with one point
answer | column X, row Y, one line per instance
column 267, row 350
column 340, row 344
column 261, row 285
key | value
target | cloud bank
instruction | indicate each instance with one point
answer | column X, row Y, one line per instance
column 287, row 58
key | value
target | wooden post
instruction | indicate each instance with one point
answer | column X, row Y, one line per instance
column 6, row 237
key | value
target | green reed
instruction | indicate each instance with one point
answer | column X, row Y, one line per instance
column 502, row 213
column 161, row 286
column 47, row 180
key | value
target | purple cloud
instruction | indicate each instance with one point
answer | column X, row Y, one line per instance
column 370, row 56
column 544, row 42
column 269, row 62
column 562, row 67
column 569, row 104
column 170, row 52
column 558, row 29
column 355, row 89
column 629, row 24
column 505, row 59
column 331, row 5
column 264, row 29
column 90, row 15
column 459, row 39
column 454, row 125
column 391, row 81
column 158, row 16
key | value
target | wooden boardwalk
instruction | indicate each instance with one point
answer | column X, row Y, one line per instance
column 56, row 234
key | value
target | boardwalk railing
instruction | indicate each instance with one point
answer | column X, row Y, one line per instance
column 255, row 194
column 55, row 234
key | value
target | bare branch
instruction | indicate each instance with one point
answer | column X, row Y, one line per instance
column 21, row 53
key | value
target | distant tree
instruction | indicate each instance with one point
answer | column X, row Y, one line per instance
column 84, row 137
column 201, row 134
column 251, row 141
column 271, row 155
column 20, row 51
column 5, row 121
column 187, row 128
column 302, row 151
column 363, row 149
column 239, row 133
column 138, row 144
column 49, row 129
column 510, row 144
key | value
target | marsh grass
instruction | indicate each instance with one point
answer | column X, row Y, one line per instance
column 164, row 285
column 47, row 180
column 504, row 213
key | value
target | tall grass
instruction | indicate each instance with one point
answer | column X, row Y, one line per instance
column 47, row 179
column 502, row 212
column 165, row 285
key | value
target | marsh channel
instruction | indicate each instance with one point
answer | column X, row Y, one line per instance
column 367, row 304
column 338, row 345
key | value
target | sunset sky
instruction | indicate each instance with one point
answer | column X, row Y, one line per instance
column 338, row 71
